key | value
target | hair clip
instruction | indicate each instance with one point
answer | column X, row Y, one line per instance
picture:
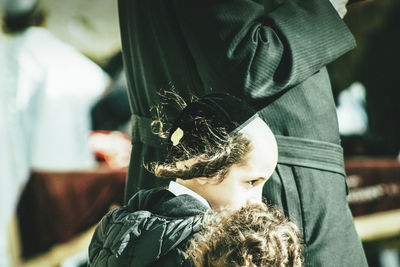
column 186, row 163
column 176, row 136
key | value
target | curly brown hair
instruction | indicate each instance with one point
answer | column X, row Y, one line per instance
column 206, row 148
column 255, row 235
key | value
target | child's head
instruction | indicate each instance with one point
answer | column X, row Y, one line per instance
column 255, row 235
column 221, row 150
column 21, row 14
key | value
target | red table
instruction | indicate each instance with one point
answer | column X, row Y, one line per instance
column 56, row 206
column 374, row 185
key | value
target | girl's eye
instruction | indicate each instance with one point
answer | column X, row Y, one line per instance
column 255, row 182
column 252, row 182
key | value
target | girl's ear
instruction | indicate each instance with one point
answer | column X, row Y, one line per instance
column 202, row 180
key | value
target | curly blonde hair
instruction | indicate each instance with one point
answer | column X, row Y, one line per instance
column 255, row 235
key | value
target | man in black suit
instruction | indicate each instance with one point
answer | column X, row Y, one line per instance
column 272, row 53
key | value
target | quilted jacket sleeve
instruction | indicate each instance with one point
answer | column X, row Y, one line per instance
column 98, row 256
column 139, row 239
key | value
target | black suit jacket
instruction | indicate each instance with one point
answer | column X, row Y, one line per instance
column 271, row 53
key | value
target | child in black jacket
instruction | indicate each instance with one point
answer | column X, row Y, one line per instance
column 220, row 154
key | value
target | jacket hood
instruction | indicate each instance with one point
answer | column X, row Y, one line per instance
column 153, row 224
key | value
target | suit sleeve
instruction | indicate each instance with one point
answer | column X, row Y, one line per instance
column 257, row 49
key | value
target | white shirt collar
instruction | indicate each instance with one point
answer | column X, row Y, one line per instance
column 178, row 189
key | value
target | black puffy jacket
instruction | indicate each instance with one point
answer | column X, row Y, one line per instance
column 153, row 229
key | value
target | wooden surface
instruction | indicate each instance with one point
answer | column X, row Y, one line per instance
column 377, row 226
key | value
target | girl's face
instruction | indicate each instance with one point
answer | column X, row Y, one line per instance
column 244, row 182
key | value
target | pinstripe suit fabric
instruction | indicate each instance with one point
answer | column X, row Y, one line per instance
column 272, row 53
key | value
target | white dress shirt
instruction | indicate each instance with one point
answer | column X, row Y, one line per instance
column 178, row 189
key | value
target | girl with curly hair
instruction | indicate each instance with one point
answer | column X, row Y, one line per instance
column 219, row 154
column 254, row 235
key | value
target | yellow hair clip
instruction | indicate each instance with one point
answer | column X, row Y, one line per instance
column 176, row 136
column 185, row 163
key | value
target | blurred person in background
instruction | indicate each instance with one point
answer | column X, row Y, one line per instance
column 112, row 111
column 47, row 89
column 379, row 72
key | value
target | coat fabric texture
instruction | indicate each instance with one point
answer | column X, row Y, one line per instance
column 153, row 229
column 273, row 54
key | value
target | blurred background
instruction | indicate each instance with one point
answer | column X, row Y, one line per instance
column 91, row 26
column 56, row 185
